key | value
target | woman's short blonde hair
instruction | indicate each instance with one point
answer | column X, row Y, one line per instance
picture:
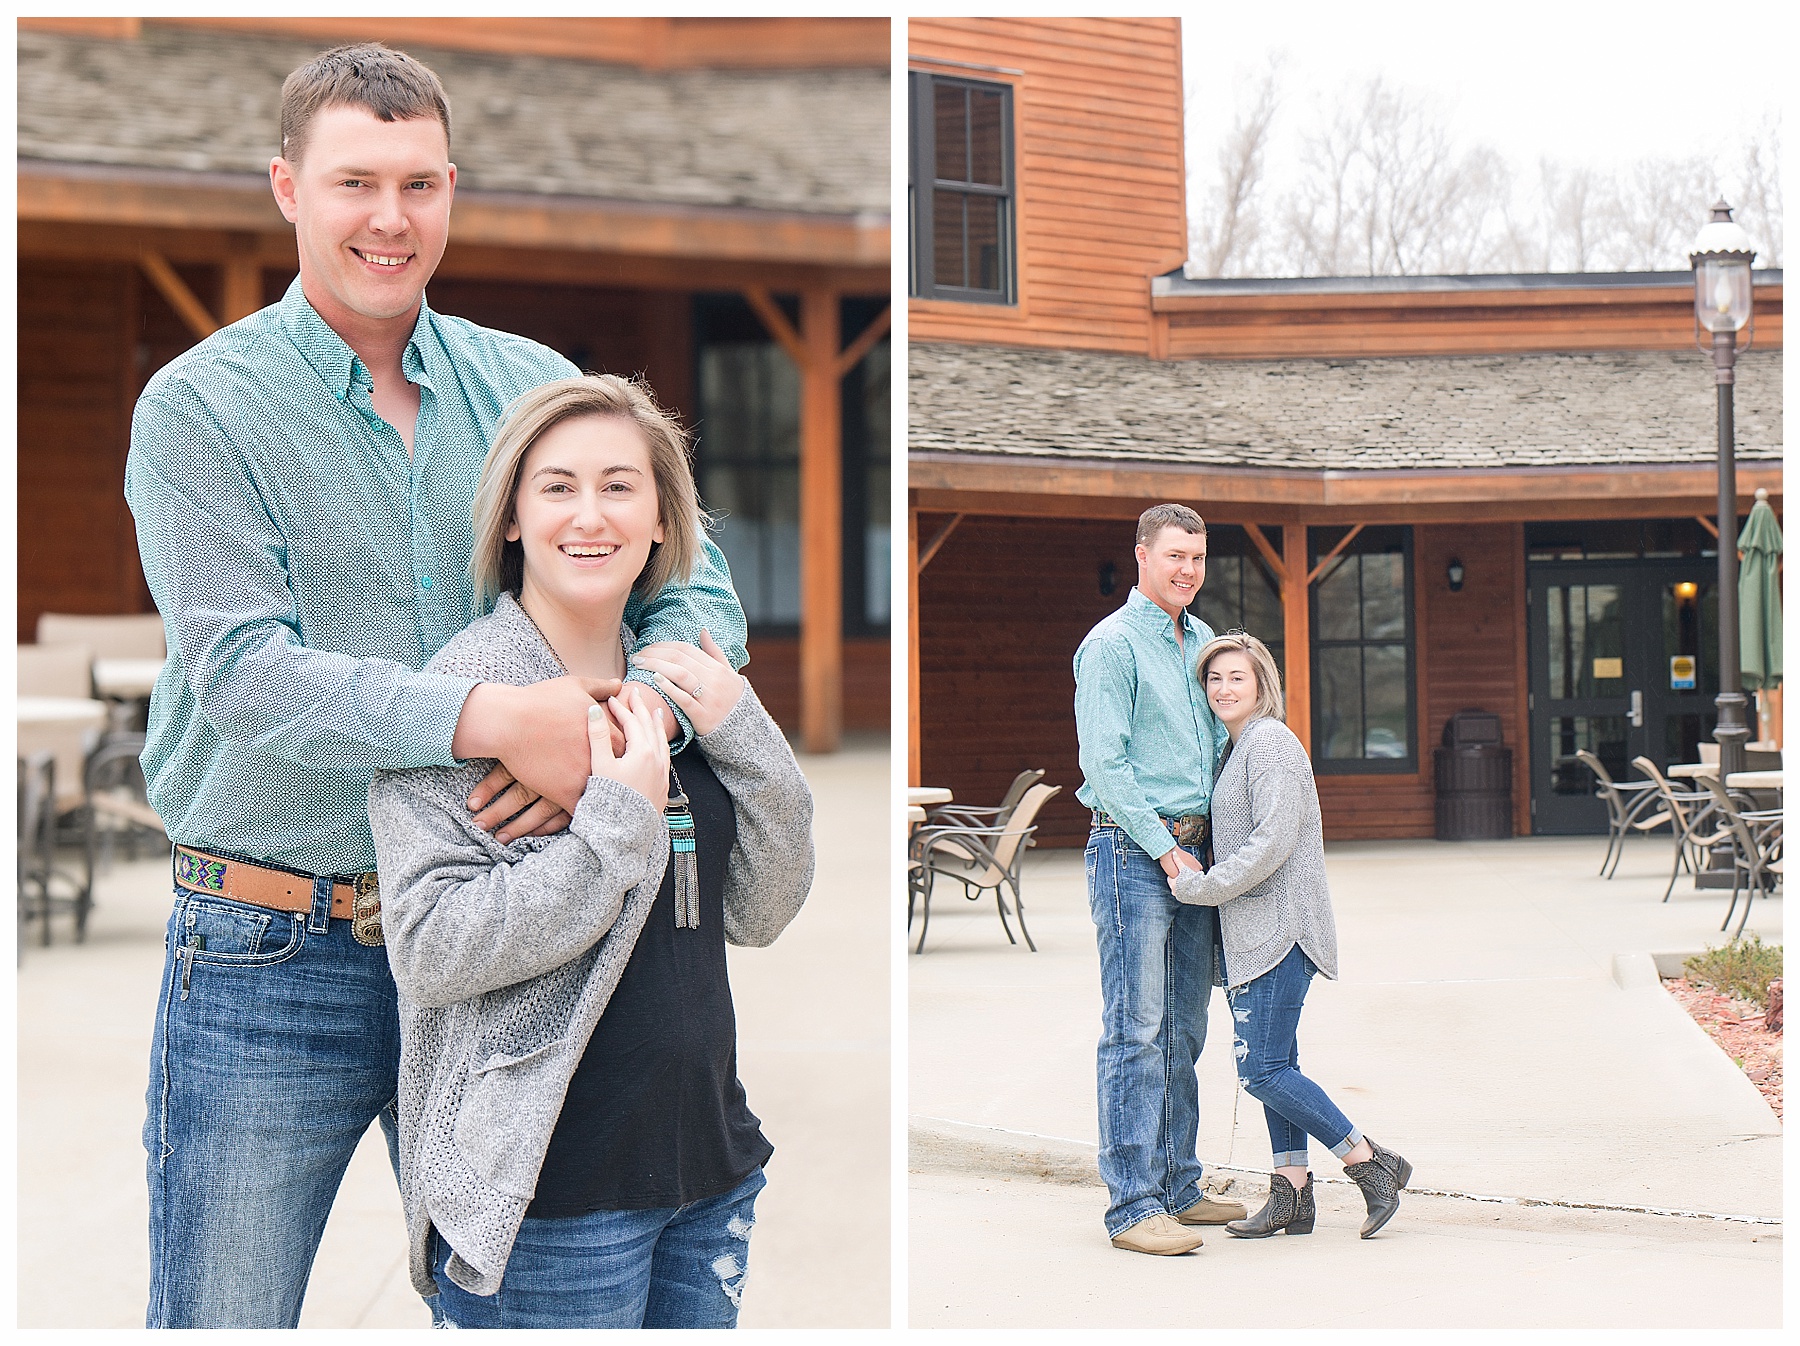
column 1262, row 663
column 498, row 566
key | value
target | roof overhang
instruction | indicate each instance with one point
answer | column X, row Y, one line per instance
column 1065, row 488
column 55, row 196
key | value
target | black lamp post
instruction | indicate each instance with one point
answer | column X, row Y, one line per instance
column 1721, row 260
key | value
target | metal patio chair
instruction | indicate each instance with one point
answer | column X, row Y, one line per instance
column 946, row 814
column 1692, row 817
column 1756, row 845
column 979, row 858
column 1629, row 808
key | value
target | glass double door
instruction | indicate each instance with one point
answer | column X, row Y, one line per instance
column 1623, row 664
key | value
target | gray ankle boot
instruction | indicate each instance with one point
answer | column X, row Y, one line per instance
column 1381, row 1179
column 1285, row 1209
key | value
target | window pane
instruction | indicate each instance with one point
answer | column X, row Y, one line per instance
column 1340, row 612
column 1339, row 708
column 947, row 238
column 984, row 241
column 987, row 138
column 1385, row 730
column 1587, row 640
column 1602, row 735
column 1384, row 596
column 1262, row 605
column 952, row 133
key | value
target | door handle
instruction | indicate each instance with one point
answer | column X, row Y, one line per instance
column 1637, row 710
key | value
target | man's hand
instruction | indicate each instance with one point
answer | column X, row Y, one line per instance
column 1176, row 861
column 540, row 736
column 698, row 680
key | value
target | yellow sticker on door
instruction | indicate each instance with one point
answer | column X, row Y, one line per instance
column 1609, row 668
column 1681, row 673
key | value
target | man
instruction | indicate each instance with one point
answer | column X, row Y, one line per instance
column 1148, row 745
column 301, row 483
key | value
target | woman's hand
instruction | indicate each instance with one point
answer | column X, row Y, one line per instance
column 701, row 682
column 644, row 764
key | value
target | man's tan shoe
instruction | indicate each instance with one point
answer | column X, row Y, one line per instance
column 1160, row 1235
column 1208, row 1211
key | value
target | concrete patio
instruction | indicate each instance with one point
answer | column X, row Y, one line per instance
column 819, row 1082
column 1497, row 1021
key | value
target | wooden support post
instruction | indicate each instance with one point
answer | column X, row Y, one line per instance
column 821, row 524
column 912, row 643
column 1296, row 632
column 243, row 294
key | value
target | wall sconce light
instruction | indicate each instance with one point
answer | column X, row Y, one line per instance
column 1455, row 575
column 1687, row 591
column 1109, row 578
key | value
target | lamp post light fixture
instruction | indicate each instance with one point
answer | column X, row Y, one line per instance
column 1722, row 306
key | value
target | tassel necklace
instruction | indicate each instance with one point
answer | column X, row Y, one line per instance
column 681, row 854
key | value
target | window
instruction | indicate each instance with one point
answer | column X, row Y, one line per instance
column 1363, row 695
column 960, row 190
column 1240, row 594
column 747, row 464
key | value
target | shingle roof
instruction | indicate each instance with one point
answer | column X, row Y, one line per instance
column 200, row 100
column 1487, row 411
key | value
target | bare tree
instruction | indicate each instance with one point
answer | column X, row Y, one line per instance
column 1224, row 237
column 1385, row 190
column 1388, row 192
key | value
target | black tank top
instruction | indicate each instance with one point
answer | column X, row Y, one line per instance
column 655, row 1115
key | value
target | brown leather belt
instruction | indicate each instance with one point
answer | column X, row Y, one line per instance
column 357, row 901
column 1191, row 829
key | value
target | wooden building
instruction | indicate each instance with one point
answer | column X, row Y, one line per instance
column 1427, row 494
column 703, row 201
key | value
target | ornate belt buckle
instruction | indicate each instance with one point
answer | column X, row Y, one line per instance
column 1195, row 828
column 365, row 921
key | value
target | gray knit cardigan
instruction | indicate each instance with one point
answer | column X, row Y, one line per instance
column 505, row 955
column 1268, row 874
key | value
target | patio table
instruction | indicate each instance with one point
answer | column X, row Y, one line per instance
column 1754, row 780
column 126, row 679
column 926, row 795
column 61, row 725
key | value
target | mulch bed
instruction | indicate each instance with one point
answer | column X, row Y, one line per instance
column 1738, row 1027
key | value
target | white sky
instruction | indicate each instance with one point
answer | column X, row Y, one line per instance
column 1581, row 81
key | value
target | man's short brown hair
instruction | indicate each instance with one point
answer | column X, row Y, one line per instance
column 389, row 83
column 1158, row 517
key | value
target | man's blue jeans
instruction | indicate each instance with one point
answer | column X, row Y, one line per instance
column 1266, row 1024
column 1156, row 975
column 678, row 1267
column 277, row 1043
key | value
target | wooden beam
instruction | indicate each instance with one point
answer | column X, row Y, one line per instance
column 1263, row 545
column 1296, row 632
column 942, row 536
column 776, row 322
column 912, row 644
column 87, row 194
column 865, row 342
column 462, row 261
column 183, row 300
column 821, row 523
column 1332, row 555
column 1408, row 495
column 1707, row 524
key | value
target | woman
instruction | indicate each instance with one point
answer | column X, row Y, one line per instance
column 1275, row 925
column 575, row 1148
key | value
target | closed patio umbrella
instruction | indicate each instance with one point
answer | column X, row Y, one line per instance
column 1759, row 597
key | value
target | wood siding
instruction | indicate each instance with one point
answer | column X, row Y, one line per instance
column 1311, row 326
column 654, row 43
column 1098, row 173
column 1468, row 649
column 774, row 670
column 1005, row 602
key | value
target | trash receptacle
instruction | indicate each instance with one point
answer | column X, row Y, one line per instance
column 1474, row 779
